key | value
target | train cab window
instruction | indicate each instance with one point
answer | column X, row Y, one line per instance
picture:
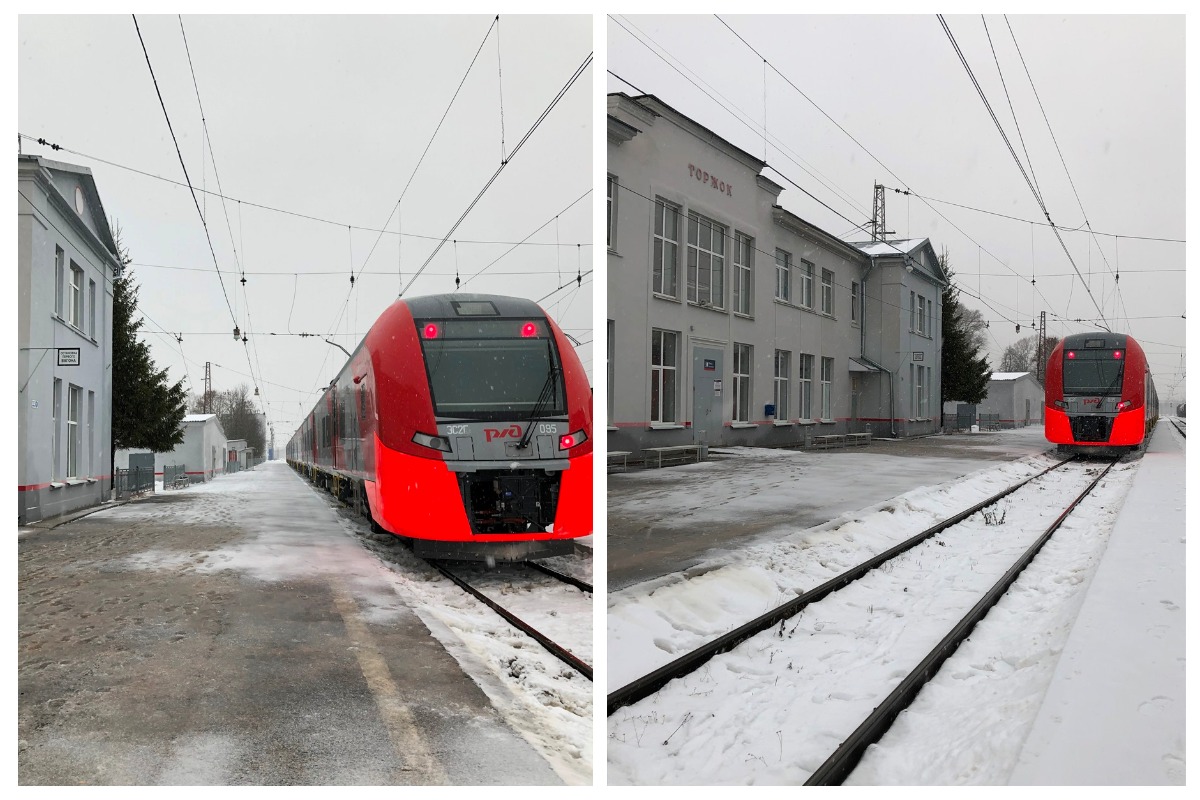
column 1093, row 372
column 492, row 368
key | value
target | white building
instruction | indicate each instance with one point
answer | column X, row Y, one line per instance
column 66, row 264
column 731, row 321
column 202, row 453
column 1017, row 397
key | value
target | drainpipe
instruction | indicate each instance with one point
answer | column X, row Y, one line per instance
column 862, row 347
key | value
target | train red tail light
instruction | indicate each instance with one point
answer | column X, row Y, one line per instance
column 1124, row 404
column 569, row 440
column 1070, row 354
column 1116, row 353
column 431, row 331
column 528, row 330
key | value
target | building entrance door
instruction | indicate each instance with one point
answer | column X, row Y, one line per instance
column 708, row 390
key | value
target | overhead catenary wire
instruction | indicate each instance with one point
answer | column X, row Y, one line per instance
column 537, row 123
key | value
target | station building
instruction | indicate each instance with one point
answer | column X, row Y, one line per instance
column 66, row 263
column 732, row 321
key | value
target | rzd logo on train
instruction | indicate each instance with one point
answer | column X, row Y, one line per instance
column 511, row 432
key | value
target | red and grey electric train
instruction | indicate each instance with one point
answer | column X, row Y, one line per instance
column 1099, row 393
column 462, row 422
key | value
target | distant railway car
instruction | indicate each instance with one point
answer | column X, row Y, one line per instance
column 1099, row 393
column 462, row 422
column 1179, row 409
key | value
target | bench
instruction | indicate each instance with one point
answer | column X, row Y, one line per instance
column 858, row 438
column 683, row 451
column 618, row 460
column 829, row 440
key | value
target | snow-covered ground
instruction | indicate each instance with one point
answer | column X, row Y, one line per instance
column 291, row 533
column 774, row 708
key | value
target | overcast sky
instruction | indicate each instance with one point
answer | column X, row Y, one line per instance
column 1112, row 88
column 320, row 117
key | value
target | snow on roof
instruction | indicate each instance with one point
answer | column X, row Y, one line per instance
column 198, row 417
column 1007, row 376
column 893, row 247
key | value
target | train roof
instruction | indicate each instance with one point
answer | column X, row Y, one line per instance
column 1101, row 339
column 448, row 306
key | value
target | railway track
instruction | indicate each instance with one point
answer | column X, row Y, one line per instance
column 554, row 648
column 846, row 756
column 1180, row 425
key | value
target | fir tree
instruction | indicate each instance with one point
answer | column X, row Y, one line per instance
column 146, row 411
column 965, row 372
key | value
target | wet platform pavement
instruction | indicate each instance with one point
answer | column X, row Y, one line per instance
column 663, row 521
column 237, row 633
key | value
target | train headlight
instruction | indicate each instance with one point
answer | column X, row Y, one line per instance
column 432, row 442
column 1060, row 403
column 569, row 440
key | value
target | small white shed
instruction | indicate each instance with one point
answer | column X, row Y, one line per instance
column 1017, row 397
column 203, row 451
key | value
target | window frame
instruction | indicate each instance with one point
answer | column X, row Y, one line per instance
column 807, row 274
column 805, row 379
column 612, row 210
column 660, row 268
column 659, row 372
column 783, row 364
column 74, row 403
column 827, row 292
column 826, row 387
column 75, row 298
column 855, row 289
column 783, row 276
column 60, row 279
column 716, row 261
column 743, row 273
column 743, row 368
column 923, row 313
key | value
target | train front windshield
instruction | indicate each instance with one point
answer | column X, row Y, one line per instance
column 492, row 369
column 1093, row 372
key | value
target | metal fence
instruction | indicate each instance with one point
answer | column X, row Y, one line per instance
column 133, row 481
column 175, row 477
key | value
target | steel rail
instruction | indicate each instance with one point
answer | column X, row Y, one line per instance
column 1181, row 428
column 647, row 685
column 556, row 650
column 553, row 573
column 843, row 760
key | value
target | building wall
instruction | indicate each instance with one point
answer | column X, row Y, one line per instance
column 195, row 452
column 665, row 156
column 1008, row 399
column 46, row 222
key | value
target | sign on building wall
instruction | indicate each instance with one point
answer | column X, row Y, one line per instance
column 918, row 355
column 68, row 356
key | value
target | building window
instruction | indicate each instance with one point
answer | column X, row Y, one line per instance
column 783, row 275
column 826, row 388
column 92, row 309
column 922, row 316
column 783, row 366
column 854, row 301
column 806, row 283
column 806, row 376
column 706, row 262
column 611, row 368
column 741, row 382
column 91, row 434
column 826, row 292
column 75, row 298
column 664, row 365
column 666, row 248
column 60, row 279
column 612, row 210
column 743, row 274
column 921, row 388
column 74, row 401
column 912, row 311
column 56, row 418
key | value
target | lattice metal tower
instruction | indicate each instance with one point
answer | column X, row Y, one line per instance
column 878, row 215
column 207, row 387
column 1041, row 350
